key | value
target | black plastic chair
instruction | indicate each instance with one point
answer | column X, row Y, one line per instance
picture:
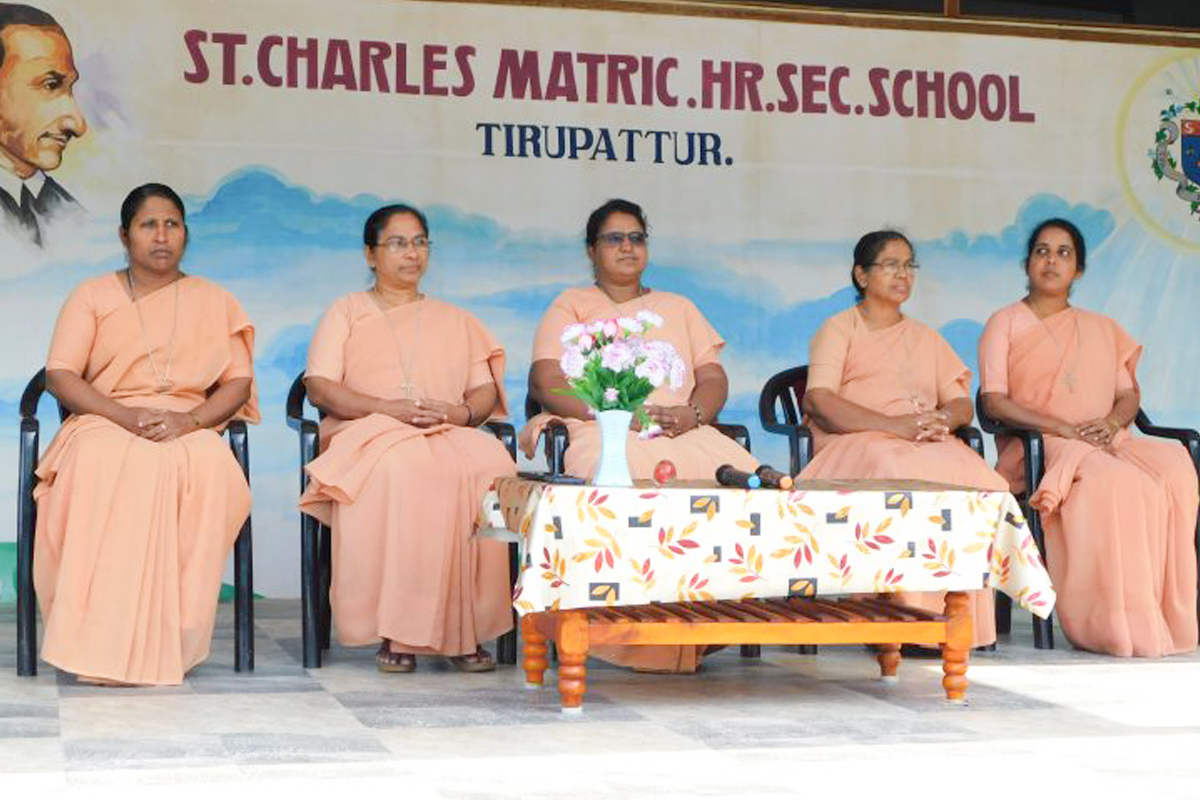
column 556, row 438
column 784, row 392
column 1035, row 466
column 243, row 554
column 316, row 552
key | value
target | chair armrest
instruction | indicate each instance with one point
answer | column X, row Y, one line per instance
column 739, row 433
column 971, row 437
column 32, row 395
column 800, row 443
column 239, row 442
column 507, row 435
column 1035, row 451
column 1188, row 437
column 556, row 439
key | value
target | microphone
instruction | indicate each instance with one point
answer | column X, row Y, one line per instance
column 728, row 476
column 773, row 478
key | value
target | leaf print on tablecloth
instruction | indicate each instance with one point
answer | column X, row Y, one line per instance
column 643, row 573
column 866, row 542
column 693, row 589
column 705, row 504
column 939, row 559
column 841, row 568
column 1030, row 600
column 804, row 546
column 554, row 568
column 900, row 500
column 593, row 505
column 670, row 547
column 747, row 563
column 603, row 552
column 889, row 581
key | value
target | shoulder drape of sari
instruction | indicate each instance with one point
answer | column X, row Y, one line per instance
column 402, row 500
column 132, row 534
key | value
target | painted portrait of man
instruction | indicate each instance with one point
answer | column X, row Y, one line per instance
column 38, row 119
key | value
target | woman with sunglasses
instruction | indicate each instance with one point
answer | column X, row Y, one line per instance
column 886, row 393
column 404, row 380
column 617, row 245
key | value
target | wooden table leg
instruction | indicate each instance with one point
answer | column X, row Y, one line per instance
column 572, row 660
column 957, row 648
column 534, row 649
column 889, row 660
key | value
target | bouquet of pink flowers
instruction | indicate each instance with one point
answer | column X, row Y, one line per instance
column 610, row 364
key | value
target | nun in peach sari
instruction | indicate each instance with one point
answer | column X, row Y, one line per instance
column 618, row 247
column 139, row 500
column 885, row 393
column 1118, row 511
column 404, row 380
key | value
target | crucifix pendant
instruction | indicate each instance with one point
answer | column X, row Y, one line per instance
column 409, row 388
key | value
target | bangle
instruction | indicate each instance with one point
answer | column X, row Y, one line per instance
column 699, row 417
column 470, row 415
column 195, row 419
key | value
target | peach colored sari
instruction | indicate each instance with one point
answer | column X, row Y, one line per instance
column 1119, row 522
column 894, row 371
column 402, row 501
column 132, row 535
column 696, row 454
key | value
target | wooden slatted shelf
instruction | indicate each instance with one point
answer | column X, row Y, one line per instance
column 779, row 621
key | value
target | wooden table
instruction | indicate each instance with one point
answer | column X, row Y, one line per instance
column 696, row 564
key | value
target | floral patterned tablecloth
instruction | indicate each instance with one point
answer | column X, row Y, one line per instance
column 585, row 546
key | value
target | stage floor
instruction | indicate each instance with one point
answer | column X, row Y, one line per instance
column 785, row 725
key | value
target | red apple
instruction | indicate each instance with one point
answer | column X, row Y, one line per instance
column 664, row 472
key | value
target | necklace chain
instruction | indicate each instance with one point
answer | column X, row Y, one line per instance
column 407, row 386
column 642, row 291
column 1069, row 378
column 163, row 382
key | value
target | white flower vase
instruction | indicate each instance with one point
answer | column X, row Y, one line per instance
column 614, row 463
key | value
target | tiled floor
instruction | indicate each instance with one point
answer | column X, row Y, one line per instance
column 786, row 725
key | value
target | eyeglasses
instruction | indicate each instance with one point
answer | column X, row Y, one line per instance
column 617, row 238
column 894, row 268
column 398, row 244
column 1044, row 250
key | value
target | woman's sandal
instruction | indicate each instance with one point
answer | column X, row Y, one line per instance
column 387, row 661
column 479, row 661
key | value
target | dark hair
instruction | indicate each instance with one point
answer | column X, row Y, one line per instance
column 1072, row 231
column 868, row 249
column 381, row 216
column 19, row 14
column 138, row 197
column 598, row 217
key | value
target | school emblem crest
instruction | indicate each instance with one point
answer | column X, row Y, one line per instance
column 1176, row 152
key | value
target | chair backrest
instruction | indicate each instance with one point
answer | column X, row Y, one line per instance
column 783, row 391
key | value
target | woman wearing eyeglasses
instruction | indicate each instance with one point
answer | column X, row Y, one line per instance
column 885, row 394
column 617, row 245
column 404, row 380
column 1119, row 512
